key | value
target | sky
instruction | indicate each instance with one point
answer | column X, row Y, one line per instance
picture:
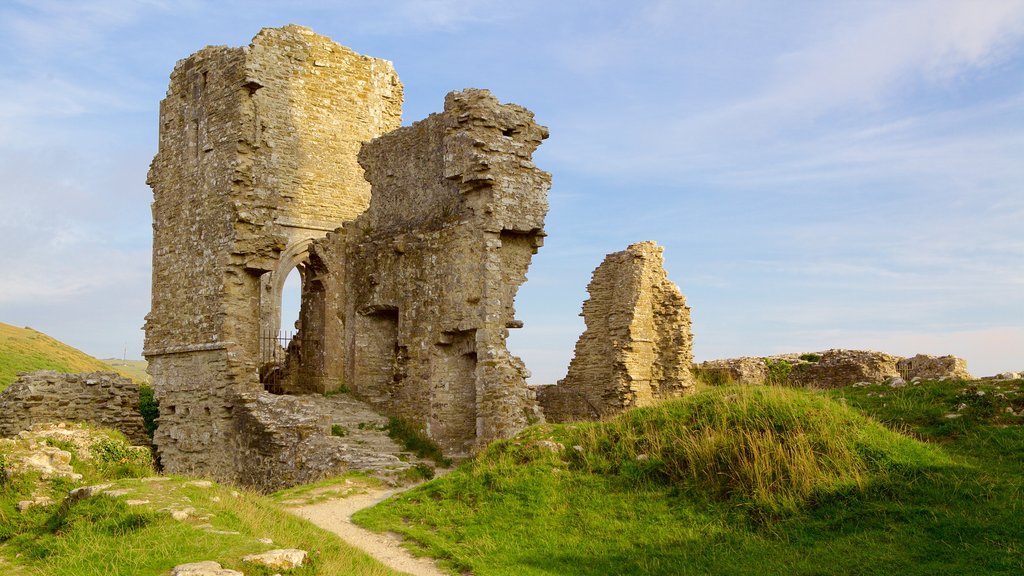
column 820, row 174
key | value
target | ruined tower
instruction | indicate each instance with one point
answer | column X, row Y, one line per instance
column 257, row 157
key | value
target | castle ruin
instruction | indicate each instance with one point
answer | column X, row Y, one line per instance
column 411, row 243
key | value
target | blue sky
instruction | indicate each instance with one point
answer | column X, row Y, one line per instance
column 821, row 174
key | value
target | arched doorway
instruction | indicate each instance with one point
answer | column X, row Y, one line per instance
column 291, row 326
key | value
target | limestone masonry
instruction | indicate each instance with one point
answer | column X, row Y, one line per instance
column 100, row 398
column 636, row 349
column 835, row 368
column 411, row 243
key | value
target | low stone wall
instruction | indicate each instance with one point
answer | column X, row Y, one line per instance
column 933, row 367
column 831, row 368
column 101, row 398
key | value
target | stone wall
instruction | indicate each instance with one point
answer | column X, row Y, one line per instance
column 833, row 368
column 424, row 282
column 933, row 367
column 843, row 367
column 257, row 157
column 637, row 347
column 101, row 398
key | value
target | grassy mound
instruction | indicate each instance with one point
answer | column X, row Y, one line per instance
column 25, row 350
column 773, row 449
column 729, row 481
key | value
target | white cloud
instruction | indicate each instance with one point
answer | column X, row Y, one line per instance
column 867, row 60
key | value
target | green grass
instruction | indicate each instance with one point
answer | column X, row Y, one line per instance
column 134, row 369
column 27, row 350
column 415, row 441
column 104, row 536
column 738, row 481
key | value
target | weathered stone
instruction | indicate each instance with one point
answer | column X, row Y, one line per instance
column 933, row 367
column 282, row 559
column 205, row 568
column 637, row 348
column 834, row 368
column 35, row 501
column 101, row 398
column 746, row 370
column 48, row 461
column 257, row 157
column 85, row 492
column 408, row 304
column 424, row 281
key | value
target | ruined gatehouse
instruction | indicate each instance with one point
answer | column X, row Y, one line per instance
column 411, row 243
column 406, row 299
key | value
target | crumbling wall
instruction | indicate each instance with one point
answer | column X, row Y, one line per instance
column 101, row 398
column 425, row 279
column 838, row 368
column 636, row 349
column 257, row 157
column 833, row 368
column 933, row 367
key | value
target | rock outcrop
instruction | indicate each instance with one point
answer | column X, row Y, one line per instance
column 637, row 348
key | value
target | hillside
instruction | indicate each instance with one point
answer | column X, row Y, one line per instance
column 25, row 350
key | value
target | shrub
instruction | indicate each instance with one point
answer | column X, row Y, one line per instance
column 811, row 357
column 149, row 409
column 339, row 430
column 778, row 372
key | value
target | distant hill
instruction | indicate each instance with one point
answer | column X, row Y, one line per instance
column 134, row 369
column 25, row 350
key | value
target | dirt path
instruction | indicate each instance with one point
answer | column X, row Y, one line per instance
column 336, row 516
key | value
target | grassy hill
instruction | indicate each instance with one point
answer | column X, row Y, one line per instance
column 25, row 350
column 134, row 369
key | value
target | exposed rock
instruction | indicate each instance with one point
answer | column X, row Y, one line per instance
column 101, row 398
column 282, row 559
column 206, row 568
column 35, row 501
column 27, row 455
column 85, row 492
column 636, row 349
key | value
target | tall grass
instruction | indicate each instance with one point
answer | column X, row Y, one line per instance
column 774, row 449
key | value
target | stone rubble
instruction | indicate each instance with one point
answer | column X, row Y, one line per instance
column 281, row 559
column 205, row 568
